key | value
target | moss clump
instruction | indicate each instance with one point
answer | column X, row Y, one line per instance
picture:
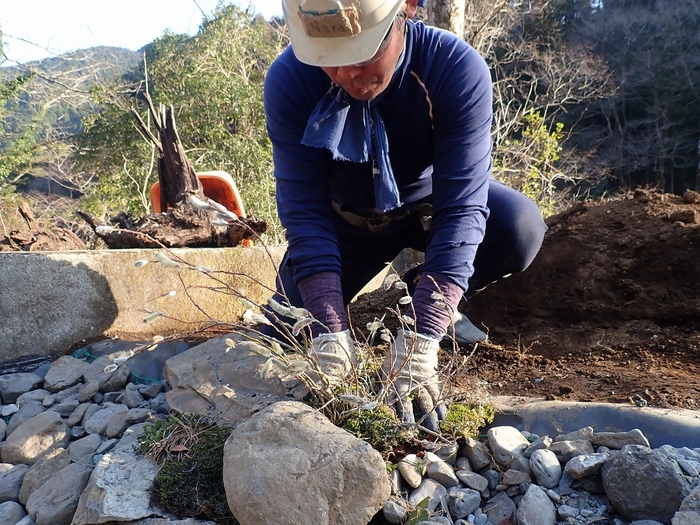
column 466, row 420
column 192, row 486
column 378, row 427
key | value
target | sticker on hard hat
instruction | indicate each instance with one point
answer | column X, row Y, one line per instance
column 331, row 24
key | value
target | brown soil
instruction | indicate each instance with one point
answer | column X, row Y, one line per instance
column 609, row 311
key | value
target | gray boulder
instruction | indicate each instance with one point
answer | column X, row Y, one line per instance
column 41, row 471
column 119, row 489
column 55, row 501
column 64, row 372
column 337, row 478
column 11, row 513
column 14, row 385
column 536, row 508
column 208, row 380
column 631, row 475
column 11, row 477
column 34, row 438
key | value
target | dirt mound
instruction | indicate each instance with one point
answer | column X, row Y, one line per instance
column 608, row 311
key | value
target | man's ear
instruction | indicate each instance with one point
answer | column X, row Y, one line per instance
column 411, row 8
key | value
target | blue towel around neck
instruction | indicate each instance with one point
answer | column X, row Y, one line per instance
column 353, row 130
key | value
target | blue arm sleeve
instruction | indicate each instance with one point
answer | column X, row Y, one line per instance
column 461, row 165
column 303, row 193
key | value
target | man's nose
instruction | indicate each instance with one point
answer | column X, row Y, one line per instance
column 348, row 72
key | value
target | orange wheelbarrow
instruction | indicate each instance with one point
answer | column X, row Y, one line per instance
column 218, row 186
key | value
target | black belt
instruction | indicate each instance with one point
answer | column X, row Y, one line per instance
column 379, row 222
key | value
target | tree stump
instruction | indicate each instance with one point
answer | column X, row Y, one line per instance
column 189, row 218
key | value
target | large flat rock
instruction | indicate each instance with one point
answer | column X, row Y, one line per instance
column 50, row 301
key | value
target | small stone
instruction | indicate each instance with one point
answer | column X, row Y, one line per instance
column 412, row 469
column 8, row 410
column 67, row 407
column 77, row 416
column 97, row 424
column 448, row 453
column 617, row 440
column 539, row 444
column 553, row 495
column 463, row 502
column 585, row 465
column 88, row 390
column 150, row 391
column 431, row 489
column 565, row 511
column 493, row 477
column 462, row 463
column 394, row 512
column 565, row 450
column 106, row 446
column 546, row 468
column 440, row 471
column 86, row 446
column 473, row 480
column 14, row 385
column 584, row 433
column 515, row 477
column 691, row 197
column 478, row 454
column 48, row 401
column 132, row 397
column 506, row 442
column 78, row 432
column 117, row 380
column 66, row 371
column 112, row 397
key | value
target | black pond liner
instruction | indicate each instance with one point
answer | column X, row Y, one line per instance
column 678, row 428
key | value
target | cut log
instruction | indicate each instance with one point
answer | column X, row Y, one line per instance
column 38, row 239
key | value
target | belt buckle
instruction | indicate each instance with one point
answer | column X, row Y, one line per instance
column 378, row 223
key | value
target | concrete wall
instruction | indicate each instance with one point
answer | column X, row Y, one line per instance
column 51, row 301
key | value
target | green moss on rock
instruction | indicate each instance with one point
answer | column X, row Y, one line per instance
column 466, row 420
column 193, row 486
column 379, row 427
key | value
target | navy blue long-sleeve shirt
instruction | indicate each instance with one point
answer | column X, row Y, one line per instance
column 437, row 111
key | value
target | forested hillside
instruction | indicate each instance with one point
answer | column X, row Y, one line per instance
column 589, row 98
column 59, row 95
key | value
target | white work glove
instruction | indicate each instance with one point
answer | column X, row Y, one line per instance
column 410, row 369
column 334, row 353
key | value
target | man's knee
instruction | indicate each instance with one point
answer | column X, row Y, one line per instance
column 528, row 229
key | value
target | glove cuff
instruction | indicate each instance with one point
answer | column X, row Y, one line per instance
column 343, row 338
column 419, row 344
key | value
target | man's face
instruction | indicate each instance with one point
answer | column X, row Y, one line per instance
column 367, row 80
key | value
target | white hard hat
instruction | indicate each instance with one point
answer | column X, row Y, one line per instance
column 336, row 33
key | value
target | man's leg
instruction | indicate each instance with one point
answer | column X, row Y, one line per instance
column 514, row 234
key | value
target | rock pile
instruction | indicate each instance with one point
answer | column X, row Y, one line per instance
column 581, row 478
column 67, row 458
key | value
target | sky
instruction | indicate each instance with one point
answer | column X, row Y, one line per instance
column 36, row 29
